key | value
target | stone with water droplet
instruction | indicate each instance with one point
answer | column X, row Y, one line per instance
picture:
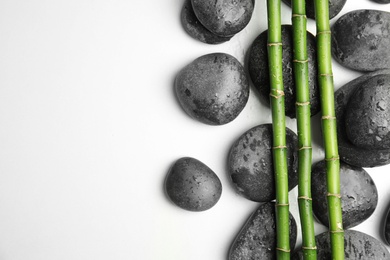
column 192, row 185
column 335, row 7
column 195, row 29
column 357, row 246
column 209, row 87
column 257, row 238
column 250, row 164
column 259, row 72
column 224, row 18
column 359, row 195
column 361, row 40
column 368, row 113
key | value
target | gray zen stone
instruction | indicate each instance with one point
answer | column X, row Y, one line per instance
column 361, row 40
column 257, row 238
column 195, row 29
column 250, row 163
column 192, row 185
column 349, row 152
column 357, row 246
column 368, row 114
column 224, row 18
column 213, row 88
column 359, row 195
column 259, row 72
column 335, row 6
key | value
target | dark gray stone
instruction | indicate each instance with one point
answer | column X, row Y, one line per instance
column 213, row 89
column 368, row 114
column 357, row 246
column 257, row 238
column 250, row 163
column 259, row 72
column 224, row 18
column 192, row 185
column 361, row 40
column 195, row 29
column 359, row 195
column 349, row 152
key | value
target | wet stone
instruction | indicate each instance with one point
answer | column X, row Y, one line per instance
column 213, row 89
column 257, row 238
column 224, row 18
column 361, row 40
column 357, row 246
column 259, row 72
column 335, row 6
column 359, row 195
column 195, row 29
column 250, row 163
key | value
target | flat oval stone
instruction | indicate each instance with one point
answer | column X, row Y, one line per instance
column 357, row 246
column 192, row 185
column 213, row 89
column 349, row 152
column 224, row 18
column 257, row 238
column 359, row 195
column 361, row 40
column 368, row 114
column 195, row 29
column 259, row 72
column 250, row 163
column 335, row 7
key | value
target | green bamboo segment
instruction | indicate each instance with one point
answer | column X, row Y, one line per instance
column 301, row 76
column 279, row 128
column 329, row 128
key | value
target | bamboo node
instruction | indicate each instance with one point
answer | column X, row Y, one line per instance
column 305, row 148
column 309, row 247
column 302, row 103
column 326, row 74
column 304, row 198
column 332, row 159
column 337, row 195
column 279, row 147
column 282, row 204
column 336, row 231
column 325, row 32
column 274, row 44
column 279, row 94
column 283, row 249
column 328, row 117
column 301, row 61
column 299, row 15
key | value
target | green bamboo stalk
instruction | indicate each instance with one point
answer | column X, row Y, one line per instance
column 329, row 128
column 301, row 77
column 279, row 128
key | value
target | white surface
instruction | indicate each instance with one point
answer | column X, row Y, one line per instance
column 90, row 126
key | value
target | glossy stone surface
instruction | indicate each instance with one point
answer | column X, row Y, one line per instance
column 250, row 163
column 361, row 40
column 259, row 72
column 257, row 238
column 192, row 185
column 335, row 7
column 213, row 89
column 359, row 195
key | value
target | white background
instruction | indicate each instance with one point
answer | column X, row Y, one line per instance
column 89, row 126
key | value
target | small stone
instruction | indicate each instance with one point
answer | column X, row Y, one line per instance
column 192, row 185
